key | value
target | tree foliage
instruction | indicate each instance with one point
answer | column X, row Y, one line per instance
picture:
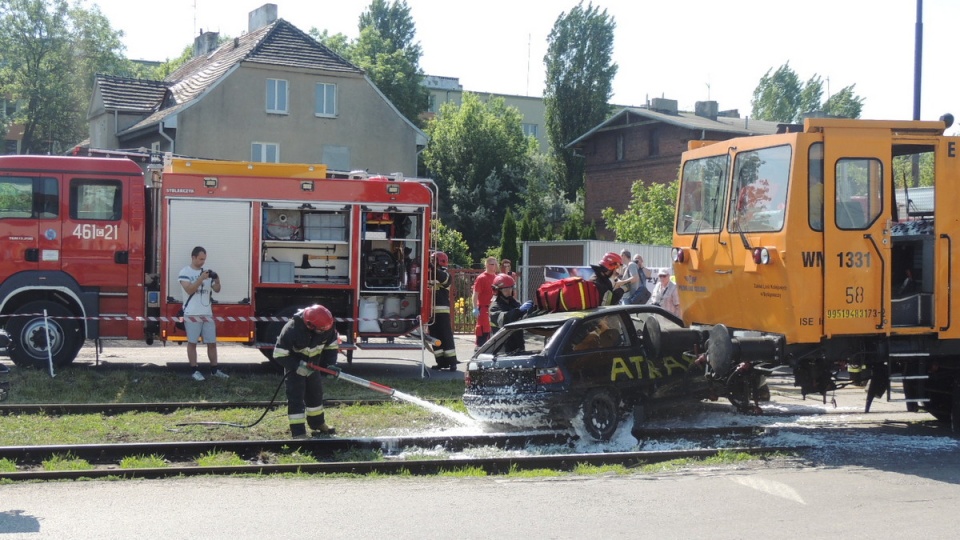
column 476, row 154
column 509, row 248
column 49, row 56
column 580, row 74
column 452, row 243
column 649, row 217
column 387, row 51
column 780, row 97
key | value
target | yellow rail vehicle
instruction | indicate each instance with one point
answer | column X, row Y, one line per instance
column 828, row 246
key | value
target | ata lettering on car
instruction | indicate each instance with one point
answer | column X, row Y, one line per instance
column 620, row 368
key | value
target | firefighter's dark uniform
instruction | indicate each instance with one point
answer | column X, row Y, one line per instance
column 504, row 310
column 297, row 343
column 605, row 286
column 442, row 327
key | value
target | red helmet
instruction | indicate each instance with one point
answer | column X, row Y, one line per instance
column 611, row 261
column 440, row 258
column 503, row 281
column 317, row 318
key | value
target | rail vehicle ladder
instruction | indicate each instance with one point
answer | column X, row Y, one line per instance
column 903, row 379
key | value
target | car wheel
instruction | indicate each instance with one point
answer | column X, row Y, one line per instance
column 29, row 338
column 600, row 412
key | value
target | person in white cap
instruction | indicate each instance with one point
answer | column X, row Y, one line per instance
column 665, row 294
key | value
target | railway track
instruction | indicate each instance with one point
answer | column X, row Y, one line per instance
column 181, row 456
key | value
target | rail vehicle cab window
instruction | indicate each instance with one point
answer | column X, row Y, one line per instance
column 29, row 198
column 760, row 189
column 859, row 192
column 815, row 185
column 703, row 192
column 96, row 200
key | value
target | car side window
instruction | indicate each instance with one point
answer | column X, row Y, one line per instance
column 600, row 333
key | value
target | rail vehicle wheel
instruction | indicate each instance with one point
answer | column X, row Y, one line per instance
column 29, row 338
column 720, row 350
column 600, row 412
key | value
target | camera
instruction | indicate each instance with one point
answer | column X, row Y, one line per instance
column 212, row 274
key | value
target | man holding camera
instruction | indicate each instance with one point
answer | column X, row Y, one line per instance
column 199, row 285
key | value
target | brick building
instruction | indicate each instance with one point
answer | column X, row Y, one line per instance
column 645, row 143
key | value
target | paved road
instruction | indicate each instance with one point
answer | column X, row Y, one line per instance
column 917, row 499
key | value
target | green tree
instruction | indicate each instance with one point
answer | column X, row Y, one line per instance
column 49, row 55
column 389, row 54
column 780, row 97
column 476, row 154
column 580, row 74
column 777, row 96
column 451, row 242
column 509, row 248
column 649, row 217
column 844, row 104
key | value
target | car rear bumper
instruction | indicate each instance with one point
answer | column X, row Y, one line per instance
column 535, row 409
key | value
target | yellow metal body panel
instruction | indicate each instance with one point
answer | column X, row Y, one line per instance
column 244, row 168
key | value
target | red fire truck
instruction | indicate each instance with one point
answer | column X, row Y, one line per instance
column 91, row 247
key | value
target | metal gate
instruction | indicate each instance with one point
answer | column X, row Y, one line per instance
column 461, row 306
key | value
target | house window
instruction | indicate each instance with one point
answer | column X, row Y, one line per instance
column 654, row 142
column 265, row 152
column 277, row 96
column 326, row 99
column 530, row 130
column 432, row 103
column 619, row 147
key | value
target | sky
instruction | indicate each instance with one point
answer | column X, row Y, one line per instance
column 687, row 50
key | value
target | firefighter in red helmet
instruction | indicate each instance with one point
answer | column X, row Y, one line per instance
column 603, row 272
column 505, row 309
column 308, row 337
column 442, row 326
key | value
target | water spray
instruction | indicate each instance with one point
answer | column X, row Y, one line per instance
column 338, row 374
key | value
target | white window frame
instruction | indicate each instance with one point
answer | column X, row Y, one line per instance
column 329, row 111
column 281, row 91
column 259, row 151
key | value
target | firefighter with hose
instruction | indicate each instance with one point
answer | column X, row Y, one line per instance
column 442, row 327
column 309, row 337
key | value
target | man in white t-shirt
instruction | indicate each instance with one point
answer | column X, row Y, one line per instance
column 199, row 285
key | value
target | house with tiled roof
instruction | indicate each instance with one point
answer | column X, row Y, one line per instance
column 645, row 143
column 272, row 94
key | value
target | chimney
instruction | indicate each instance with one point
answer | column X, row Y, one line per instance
column 205, row 43
column 663, row 105
column 262, row 16
column 706, row 109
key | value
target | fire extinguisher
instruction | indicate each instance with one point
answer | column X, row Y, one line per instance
column 413, row 276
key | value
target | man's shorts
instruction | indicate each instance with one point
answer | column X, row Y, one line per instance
column 206, row 329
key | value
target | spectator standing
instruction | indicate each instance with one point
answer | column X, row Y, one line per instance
column 665, row 294
column 629, row 278
column 482, row 297
column 198, row 321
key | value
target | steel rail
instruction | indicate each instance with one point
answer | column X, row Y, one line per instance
column 64, row 409
column 491, row 465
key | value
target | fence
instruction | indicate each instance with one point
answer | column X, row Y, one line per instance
column 461, row 293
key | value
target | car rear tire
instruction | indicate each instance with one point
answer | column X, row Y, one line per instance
column 600, row 412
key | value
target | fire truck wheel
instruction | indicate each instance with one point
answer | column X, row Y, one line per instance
column 28, row 335
column 600, row 412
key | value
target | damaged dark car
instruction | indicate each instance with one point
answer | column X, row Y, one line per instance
column 592, row 366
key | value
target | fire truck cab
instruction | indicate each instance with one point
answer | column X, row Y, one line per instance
column 92, row 249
